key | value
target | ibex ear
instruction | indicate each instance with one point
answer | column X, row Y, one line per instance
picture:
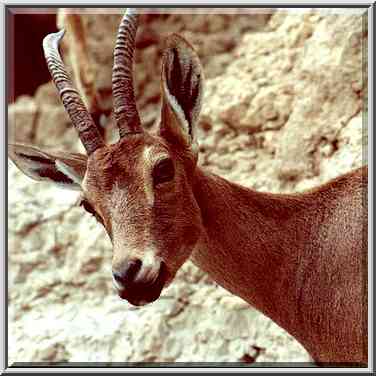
column 64, row 169
column 182, row 83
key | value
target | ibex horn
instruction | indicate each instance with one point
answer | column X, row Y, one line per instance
column 80, row 117
column 125, row 108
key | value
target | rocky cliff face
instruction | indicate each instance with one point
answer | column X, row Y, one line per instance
column 284, row 110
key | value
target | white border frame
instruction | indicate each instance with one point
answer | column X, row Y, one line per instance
column 209, row 3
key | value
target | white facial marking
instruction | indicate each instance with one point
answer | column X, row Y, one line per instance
column 151, row 265
column 149, row 259
column 84, row 182
column 148, row 183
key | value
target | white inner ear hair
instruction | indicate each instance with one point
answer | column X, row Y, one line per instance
column 187, row 61
column 68, row 171
column 179, row 112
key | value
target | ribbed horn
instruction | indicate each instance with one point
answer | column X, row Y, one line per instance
column 80, row 117
column 125, row 107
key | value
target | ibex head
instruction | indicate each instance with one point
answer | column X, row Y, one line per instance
column 139, row 188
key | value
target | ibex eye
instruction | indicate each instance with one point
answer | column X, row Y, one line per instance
column 88, row 207
column 163, row 172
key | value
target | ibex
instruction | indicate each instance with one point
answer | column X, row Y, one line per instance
column 298, row 258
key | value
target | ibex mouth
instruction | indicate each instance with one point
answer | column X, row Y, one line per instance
column 142, row 293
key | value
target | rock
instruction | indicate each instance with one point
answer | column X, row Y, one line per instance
column 21, row 119
column 233, row 303
column 287, row 96
column 41, row 120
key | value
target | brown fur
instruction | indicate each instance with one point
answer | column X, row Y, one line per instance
column 115, row 185
column 300, row 259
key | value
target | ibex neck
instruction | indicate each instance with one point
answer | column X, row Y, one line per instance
column 249, row 245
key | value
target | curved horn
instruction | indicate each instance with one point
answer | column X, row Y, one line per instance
column 80, row 117
column 125, row 107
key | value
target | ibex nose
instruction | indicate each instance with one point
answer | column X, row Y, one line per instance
column 128, row 273
column 139, row 282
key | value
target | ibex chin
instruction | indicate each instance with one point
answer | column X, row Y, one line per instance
column 298, row 258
